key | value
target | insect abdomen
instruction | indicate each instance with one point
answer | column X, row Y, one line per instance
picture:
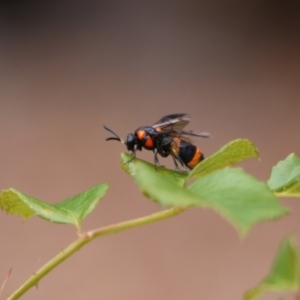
column 190, row 154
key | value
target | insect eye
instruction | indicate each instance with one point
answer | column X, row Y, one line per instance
column 130, row 142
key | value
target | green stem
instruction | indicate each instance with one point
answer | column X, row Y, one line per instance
column 85, row 239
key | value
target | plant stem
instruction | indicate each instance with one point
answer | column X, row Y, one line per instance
column 84, row 239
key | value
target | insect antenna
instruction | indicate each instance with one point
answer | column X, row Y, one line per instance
column 116, row 138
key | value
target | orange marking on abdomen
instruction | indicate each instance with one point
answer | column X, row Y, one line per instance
column 196, row 159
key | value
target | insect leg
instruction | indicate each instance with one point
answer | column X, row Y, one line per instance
column 133, row 155
column 176, row 164
column 176, row 158
column 156, row 162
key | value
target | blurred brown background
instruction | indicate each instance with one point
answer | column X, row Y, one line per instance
column 68, row 67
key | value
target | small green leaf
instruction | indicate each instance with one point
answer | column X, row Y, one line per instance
column 81, row 205
column 11, row 203
column 179, row 177
column 43, row 209
column 232, row 153
column 285, row 177
column 240, row 198
column 161, row 185
column 284, row 275
column 70, row 211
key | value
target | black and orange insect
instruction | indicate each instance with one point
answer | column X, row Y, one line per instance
column 166, row 137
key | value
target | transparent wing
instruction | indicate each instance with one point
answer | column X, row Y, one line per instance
column 185, row 135
column 173, row 122
column 201, row 134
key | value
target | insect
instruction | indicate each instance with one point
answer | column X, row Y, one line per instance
column 165, row 137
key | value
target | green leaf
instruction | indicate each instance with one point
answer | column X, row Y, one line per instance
column 232, row 153
column 285, row 177
column 161, row 185
column 238, row 197
column 284, row 275
column 178, row 177
column 81, row 205
column 11, row 203
column 69, row 211
column 40, row 208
